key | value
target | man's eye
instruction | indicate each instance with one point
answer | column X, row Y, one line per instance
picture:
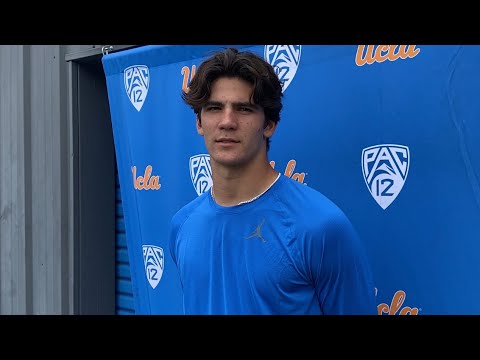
column 244, row 109
column 212, row 108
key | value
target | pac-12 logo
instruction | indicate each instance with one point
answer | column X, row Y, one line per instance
column 137, row 81
column 385, row 169
column 285, row 60
column 153, row 261
column 201, row 173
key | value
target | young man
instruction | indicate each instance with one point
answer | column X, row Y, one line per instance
column 259, row 242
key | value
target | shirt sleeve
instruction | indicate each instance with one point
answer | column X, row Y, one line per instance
column 340, row 270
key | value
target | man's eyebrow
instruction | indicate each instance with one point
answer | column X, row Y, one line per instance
column 236, row 104
column 244, row 104
column 211, row 102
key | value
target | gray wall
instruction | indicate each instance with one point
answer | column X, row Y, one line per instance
column 57, row 184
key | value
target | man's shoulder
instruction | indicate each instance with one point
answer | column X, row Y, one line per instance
column 307, row 194
column 309, row 201
column 187, row 209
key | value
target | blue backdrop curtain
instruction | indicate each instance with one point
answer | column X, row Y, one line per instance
column 388, row 132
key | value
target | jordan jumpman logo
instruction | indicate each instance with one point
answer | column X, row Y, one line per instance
column 258, row 232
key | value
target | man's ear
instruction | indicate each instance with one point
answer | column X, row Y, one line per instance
column 269, row 128
column 199, row 125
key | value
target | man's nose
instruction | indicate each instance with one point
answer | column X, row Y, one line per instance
column 228, row 119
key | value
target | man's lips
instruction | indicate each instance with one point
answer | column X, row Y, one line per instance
column 226, row 141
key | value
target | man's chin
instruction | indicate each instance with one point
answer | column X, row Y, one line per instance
column 227, row 161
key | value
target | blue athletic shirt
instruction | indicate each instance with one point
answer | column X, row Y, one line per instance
column 291, row 251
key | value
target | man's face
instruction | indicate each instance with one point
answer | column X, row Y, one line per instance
column 233, row 128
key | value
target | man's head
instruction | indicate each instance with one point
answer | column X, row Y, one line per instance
column 245, row 65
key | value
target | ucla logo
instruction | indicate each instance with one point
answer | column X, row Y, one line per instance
column 137, row 81
column 285, row 60
column 153, row 262
column 201, row 173
column 289, row 171
column 396, row 306
column 147, row 181
column 385, row 169
column 370, row 54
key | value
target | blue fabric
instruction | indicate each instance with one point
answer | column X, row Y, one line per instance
column 291, row 251
column 391, row 138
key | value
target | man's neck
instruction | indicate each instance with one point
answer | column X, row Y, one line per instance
column 233, row 186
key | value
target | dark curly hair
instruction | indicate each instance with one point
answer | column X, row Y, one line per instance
column 246, row 65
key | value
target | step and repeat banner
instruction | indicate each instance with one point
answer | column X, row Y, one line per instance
column 391, row 133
